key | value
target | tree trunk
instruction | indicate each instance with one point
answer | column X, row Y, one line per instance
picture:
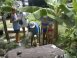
column 5, row 28
column 56, row 30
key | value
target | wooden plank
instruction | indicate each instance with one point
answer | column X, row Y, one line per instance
column 11, row 30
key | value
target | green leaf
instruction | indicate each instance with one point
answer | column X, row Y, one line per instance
column 9, row 2
column 70, row 14
column 50, row 13
column 64, row 8
column 68, row 21
column 75, row 5
column 75, row 16
column 37, row 14
column 31, row 17
column 43, row 12
column 50, row 2
column 62, row 1
column 6, row 8
column 29, row 9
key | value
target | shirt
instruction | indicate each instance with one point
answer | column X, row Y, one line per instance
column 16, row 25
column 34, row 30
column 44, row 26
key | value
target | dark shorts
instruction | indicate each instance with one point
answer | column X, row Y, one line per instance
column 44, row 30
column 16, row 31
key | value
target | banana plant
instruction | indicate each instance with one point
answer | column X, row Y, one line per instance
column 54, row 11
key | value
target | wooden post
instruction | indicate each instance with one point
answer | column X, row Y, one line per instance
column 5, row 27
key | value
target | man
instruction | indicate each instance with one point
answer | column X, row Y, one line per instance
column 16, row 26
column 44, row 25
column 22, row 21
column 34, row 29
column 50, row 33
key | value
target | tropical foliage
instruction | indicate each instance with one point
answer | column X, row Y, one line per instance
column 5, row 6
column 57, row 10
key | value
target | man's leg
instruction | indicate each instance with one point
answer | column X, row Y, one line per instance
column 23, row 31
column 32, row 39
column 43, row 37
column 17, row 37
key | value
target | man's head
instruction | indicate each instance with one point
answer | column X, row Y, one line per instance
column 45, row 18
column 13, row 10
column 50, row 24
column 32, row 24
